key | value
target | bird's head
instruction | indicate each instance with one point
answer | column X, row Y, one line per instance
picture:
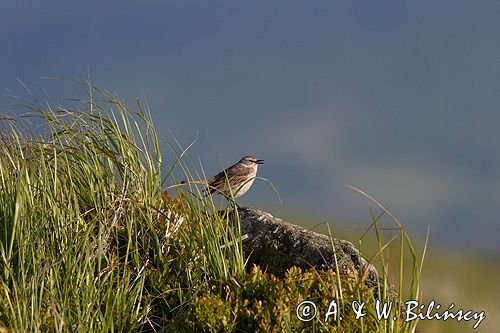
column 250, row 160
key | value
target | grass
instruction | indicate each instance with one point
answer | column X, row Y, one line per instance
column 90, row 242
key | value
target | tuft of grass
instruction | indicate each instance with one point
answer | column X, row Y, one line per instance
column 90, row 241
column 409, row 270
column 76, row 217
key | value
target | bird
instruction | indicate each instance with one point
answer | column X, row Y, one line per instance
column 234, row 181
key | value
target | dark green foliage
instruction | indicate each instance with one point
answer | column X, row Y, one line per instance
column 259, row 302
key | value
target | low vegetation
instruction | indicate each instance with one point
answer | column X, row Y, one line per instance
column 90, row 242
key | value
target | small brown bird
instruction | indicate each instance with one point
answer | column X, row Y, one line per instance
column 233, row 181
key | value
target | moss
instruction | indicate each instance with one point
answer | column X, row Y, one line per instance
column 261, row 302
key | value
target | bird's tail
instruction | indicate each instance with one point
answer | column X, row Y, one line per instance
column 206, row 191
column 189, row 181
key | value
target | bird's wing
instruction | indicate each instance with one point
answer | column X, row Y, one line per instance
column 218, row 182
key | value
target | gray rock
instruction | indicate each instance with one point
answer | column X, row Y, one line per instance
column 276, row 245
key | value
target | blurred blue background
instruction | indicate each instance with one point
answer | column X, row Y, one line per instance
column 400, row 99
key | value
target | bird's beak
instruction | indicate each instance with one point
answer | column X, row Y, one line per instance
column 259, row 162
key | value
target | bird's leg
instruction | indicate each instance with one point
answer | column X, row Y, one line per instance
column 230, row 200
